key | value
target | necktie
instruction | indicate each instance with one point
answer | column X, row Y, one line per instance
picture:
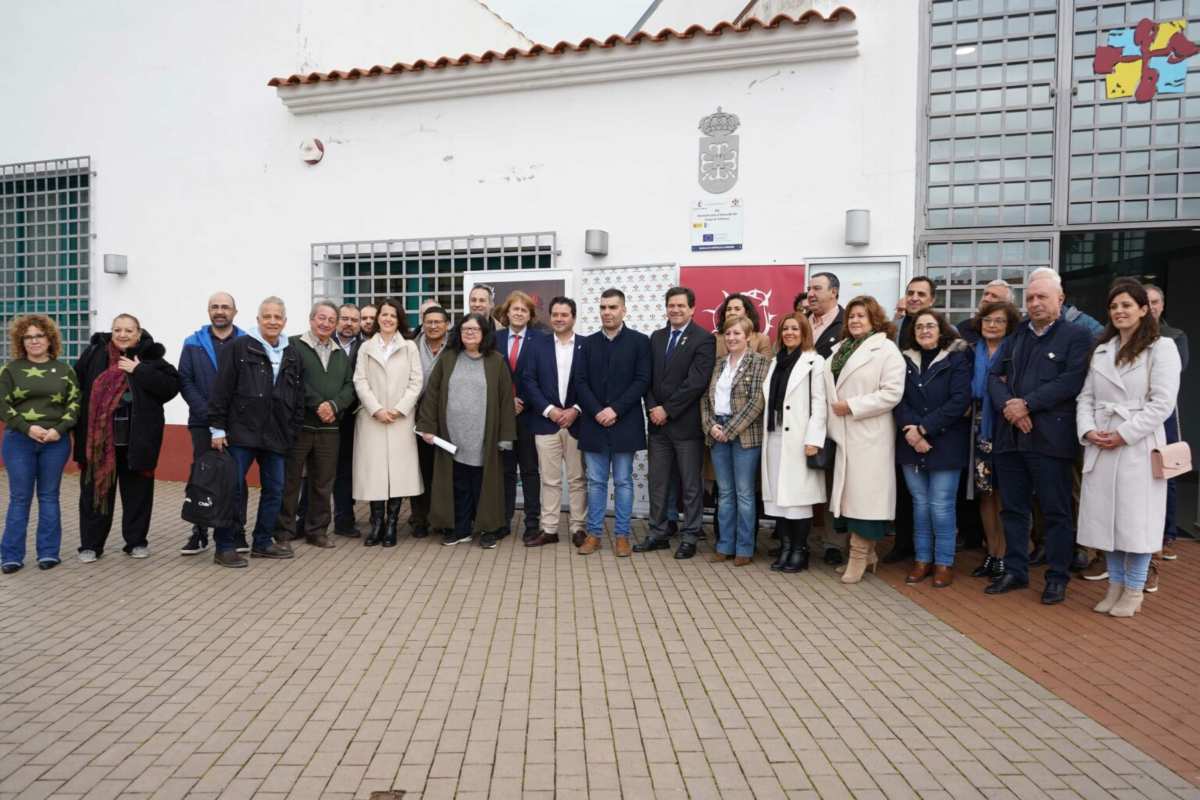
column 514, row 352
column 671, row 344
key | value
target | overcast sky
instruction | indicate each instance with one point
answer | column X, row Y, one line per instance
column 551, row 21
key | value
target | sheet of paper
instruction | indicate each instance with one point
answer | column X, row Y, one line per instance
column 442, row 443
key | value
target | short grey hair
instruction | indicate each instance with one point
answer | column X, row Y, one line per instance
column 1044, row 273
column 312, row 312
column 1000, row 282
column 273, row 300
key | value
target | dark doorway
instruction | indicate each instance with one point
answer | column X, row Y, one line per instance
column 1169, row 258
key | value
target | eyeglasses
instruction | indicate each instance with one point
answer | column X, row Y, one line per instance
column 33, row 337
column 990, row 321
column 474, row 330
column 929, row 326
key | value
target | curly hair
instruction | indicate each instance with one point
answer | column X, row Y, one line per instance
column 516, row 296
column 747, row 303
column 17, row 328
column 946, row 331
column 875, row 315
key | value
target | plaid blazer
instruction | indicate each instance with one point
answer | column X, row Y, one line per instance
column 745, row 400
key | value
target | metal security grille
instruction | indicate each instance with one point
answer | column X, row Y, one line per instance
column 413, row 270
column 45, row 246
column 990, row 114
column 1132, row 161
column 961, row 270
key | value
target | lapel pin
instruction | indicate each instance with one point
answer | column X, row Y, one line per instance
column 1052, row 355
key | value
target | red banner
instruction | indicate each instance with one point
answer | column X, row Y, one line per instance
column 772, row 287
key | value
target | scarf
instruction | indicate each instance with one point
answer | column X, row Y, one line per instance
column 844, row 352
column 107, row 390
column 979, row 391
column 784, row 362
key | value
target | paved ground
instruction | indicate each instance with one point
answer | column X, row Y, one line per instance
column 513, row 672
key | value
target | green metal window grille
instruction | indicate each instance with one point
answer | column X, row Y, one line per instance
column 45, row 246
column 414, row 270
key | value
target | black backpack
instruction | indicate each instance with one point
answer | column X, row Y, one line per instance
column 209, row 497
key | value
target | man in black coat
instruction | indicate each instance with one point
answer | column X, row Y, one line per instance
column 256, row 409
column 681, row 366
column 1038, row 373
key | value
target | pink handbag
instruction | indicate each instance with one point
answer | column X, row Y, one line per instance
column 1171, row 460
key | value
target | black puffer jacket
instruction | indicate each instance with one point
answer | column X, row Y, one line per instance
column 255, row 409
column 152, row 385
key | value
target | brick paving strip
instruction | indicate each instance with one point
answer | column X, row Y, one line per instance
column 458, row 672
column 1136, row 677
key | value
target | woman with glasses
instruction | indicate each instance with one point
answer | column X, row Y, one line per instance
column 388, row 379
column 994, row 322
column 468, row 402
column 933, row 439
column 39, row 398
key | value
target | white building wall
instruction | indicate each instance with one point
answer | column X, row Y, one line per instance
column 199, row 180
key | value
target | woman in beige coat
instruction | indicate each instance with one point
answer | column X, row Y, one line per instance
column 388, row 379
column 864, row 382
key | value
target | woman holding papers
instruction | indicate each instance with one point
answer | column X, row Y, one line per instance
column 387, row 378
column 468, row 403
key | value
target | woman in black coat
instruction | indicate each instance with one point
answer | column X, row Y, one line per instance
column 933, row 439
column 124, row 383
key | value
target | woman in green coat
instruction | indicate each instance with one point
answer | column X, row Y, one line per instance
column 468, row 402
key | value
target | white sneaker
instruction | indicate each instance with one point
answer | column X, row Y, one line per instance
column 87, row 556
column 140, row 552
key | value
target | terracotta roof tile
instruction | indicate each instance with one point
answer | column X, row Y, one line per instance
column 513, row 54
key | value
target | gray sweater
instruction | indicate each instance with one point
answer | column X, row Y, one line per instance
column 465, row 409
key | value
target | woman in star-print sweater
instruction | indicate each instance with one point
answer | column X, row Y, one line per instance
column 39, row 404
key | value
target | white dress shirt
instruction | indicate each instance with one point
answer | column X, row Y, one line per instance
column 564, row 356
column 722, row 403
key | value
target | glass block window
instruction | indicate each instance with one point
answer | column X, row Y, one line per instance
column 413, row 270
column 1132, row 161
column 45, row 246
column 990, row 114
column 961, row 270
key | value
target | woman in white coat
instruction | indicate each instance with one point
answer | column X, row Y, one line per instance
column 1129, row 392
column 388, row 379
column 864, row 382
column 794, row 421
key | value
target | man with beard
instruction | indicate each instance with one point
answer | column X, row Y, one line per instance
column 367, row 314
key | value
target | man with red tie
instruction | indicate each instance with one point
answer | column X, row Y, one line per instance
column 517, row 341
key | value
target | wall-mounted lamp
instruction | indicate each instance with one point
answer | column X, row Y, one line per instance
column 116, row 265
column 595, row 242
column 858, row 227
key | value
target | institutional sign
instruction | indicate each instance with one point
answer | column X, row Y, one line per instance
column 717, row 225
column 1145, row 60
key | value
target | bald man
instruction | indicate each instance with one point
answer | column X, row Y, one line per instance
column 197, row 369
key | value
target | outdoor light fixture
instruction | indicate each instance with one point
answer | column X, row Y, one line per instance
column 595, row 242
column 858, row 227
column 116, row 265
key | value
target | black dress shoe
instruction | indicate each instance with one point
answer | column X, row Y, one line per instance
column 1006, row 583
column 1055, row 592
column 654, row 543
column 685, row 550
column 1038, row 557
column 47, row 564
column 897, row 555
column 9, row 569
column 833, row 556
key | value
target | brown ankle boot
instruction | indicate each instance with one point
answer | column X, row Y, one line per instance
column 942, row 576
column 920, row 571
column 862, row 558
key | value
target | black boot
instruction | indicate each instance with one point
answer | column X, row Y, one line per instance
column 984, row 570
column 376, row 533
column 798, row 559
column 393, row 516
column 787, row 541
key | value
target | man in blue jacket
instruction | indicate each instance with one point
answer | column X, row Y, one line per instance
column 554, row 420
column 613, row 377
column 197, row 369
column 1038, row 373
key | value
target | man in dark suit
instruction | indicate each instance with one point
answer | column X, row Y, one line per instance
column 516, row 341
column 554, row 420
column 613, row 376
column 1038, row 373
column 681, row 366
column 825, row 314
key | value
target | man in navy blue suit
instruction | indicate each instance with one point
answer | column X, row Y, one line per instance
column 516, row 341
column 554, row 419
column 613, row 376
column 1037, row 375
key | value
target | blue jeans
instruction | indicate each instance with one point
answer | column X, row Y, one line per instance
column 32, row 464
column 598, row 466
column 1129, row 569
column 933, row 499
column 270, row 473
column 736, row 468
